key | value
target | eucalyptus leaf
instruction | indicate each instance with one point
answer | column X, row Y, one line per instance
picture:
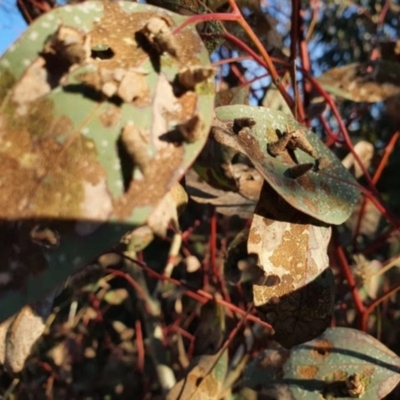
column 341, row 363
column 96, row 130
column 325, row 190
column 371, row 82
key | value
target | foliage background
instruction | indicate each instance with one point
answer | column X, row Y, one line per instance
column 93, row 347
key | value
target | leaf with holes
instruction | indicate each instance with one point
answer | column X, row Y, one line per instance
column 297, row 165
column 341, row 363
column 104, row 106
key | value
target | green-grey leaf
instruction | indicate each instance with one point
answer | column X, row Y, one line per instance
column 327, row 194
column 95, row 132
column 323, row 365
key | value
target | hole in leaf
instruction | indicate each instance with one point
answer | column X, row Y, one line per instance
column 154, row 56
column 272, row 280
column 322, row 349
column 102, row 52
column 240, row 158
column 127, row 164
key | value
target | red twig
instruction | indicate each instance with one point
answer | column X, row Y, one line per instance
column 365, row 314
column 139, row 345
column 350, row 279
column 385, row 158
column 196, row 294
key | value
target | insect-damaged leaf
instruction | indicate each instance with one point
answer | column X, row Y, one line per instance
column 95, row 131
column 363, row 82
column 295, row 295
column 341, row 363
column 327, row 191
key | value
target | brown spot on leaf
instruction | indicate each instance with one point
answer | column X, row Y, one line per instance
column 321, row 348
column 306, row 182
column 293, row 246
column 116, row 30
column 110, row 116
column 307, row 371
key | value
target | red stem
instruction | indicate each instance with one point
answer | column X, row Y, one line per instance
column 388, row 151
column 365, row 314
column 350, row 279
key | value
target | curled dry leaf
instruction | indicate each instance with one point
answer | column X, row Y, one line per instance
column 158, row 32
column 180, row 197
column 165, row 213
column 68, row 44
column 204, row 379
column 365, row 151
column 226, row 202
column 19, row 333
column 189, row 77
column 372, row 81
column 367, row 277
column 369, row 224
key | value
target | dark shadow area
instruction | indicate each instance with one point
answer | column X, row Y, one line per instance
column 127, row 164
column 148, row 48
column 106, row 54
column 301, row 315
column 38, row 254
column 91, row 93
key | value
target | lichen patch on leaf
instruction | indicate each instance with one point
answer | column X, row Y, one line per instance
column 288, row 245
